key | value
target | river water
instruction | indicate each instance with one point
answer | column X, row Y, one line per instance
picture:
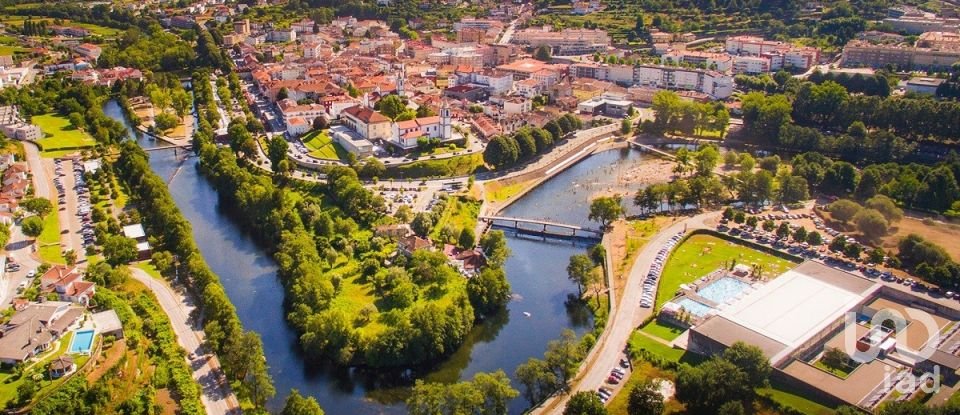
column 536, row 271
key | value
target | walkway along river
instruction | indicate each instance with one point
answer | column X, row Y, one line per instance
column 536, row 271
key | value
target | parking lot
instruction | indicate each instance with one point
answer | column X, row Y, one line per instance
column 73, row 197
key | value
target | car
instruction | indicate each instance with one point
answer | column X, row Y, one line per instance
column 625, row 363
column 613, row 380
column 32, row 273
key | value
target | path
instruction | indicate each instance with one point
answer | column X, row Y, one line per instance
column 217, row 397
column 626, row 317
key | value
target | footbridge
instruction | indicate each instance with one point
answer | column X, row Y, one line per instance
column 543, row 228
column 645, row 147
column 186, row 146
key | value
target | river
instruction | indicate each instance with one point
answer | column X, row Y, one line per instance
column 536, row 271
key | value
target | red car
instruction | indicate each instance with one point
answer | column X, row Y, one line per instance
column 613, row 380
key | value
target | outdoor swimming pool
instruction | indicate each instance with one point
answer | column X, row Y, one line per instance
column 694, row 307
column 82, row 341
column 723, row 290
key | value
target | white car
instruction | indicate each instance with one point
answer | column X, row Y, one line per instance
column 32, row 273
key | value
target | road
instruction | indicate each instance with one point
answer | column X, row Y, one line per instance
column 217, row 397
column 626, row 317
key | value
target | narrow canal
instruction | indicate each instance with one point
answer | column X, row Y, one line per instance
column 536, row 271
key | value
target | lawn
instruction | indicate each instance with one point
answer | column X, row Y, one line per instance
column 642, row 371
column 640, row 341
column 497, row 191
column 459, row 213
column 59, row 134
column 322, row 146
column 147, row 266
column 49, row 240
column 700, row 255
column 787, row 396
column 840, row 372
column 663, row 331
column 447, row 167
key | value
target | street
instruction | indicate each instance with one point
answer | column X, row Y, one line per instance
column 217, row 397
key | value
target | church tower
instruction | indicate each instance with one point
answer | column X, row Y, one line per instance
column 401, row 79
column 446, row 125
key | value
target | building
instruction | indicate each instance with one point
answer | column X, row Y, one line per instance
column 939, row 40
column 471, row 93
column 716, row 61
column 108, row 324
column 371, row 125
column 715, row 84
column 88, row 50
column 297, row 126
column 13, row 126
column 136, row 232
column 566, row 42
column 926, row 86
column 351, row 141
column 915, row 25
column 779, row 55
column 68, row 284
column 34, row 328
column 795, row 318
column 858, row 53
column 61, row 367
column 609, row 104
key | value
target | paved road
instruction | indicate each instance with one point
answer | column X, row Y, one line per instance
column 626, row 317
column 41, row 182
column 217, row 397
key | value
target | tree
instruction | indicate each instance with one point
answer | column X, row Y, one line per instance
column 70, row 257
column 752, row 221
column 835, row 358
column 625, row 127
column 32, row 226
column 814, row 238
column 300, row 405
column 580, row 271
column 77, row 120
column 706, row 387
column 543, row 53
column 537, row 379
column 731, row 408
column 526, row 144
column 320, row 123
column 751, row 361
column 800, row 235
column 283, row 94
column 277, row 150
column 768, row 225
column 793, row 189
column 844, row 210
column 422, row 224
column 489, row 291
column 886, row 206
column 372, row 167
column 606, row 209
column 502, row 151
column 467, row 239
column 164, row 122
column 645, row 399
column 871, row 223
column 494, row 245
column 783, row 230
column 118, row 250
column 38, row 206
column 729, row 159
column 585, row 403
column 392, row 106
column 4, row 235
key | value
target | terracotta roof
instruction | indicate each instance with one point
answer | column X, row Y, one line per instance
column 366, row 115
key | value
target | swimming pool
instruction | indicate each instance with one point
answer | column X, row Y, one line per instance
column 723, row 290
column 82, row 341
column 694, row 307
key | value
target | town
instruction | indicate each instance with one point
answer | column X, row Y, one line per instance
column 501, row 207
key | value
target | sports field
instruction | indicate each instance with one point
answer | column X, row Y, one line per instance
column 58, row 133
column 700, row 255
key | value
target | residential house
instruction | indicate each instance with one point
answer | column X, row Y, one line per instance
column 395, row 231
column 34, row 328
column 467, row 261
column 68, row 284
column 137, row 233
column 408, row 245
column 108, row 323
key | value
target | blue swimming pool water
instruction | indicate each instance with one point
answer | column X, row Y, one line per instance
column 82, row 341
column 694, row 307
column 723, row 290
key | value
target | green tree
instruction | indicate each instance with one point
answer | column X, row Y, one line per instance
column 494, row 245
column 38, row 206
column 543, row 53
column 706, row 387
column 731, row 408
column 844, row 210
column 537, row 379
column 606, row 209
column 585, row 403
column 871, row 223
column 298, row 404
column 164, row 122
column 626, row 126
column 501, row 152
column 277, row 150
column 886, row 206
column 118, row 250
column 580, row 271
column 783, row 230
column 814, row 238
column 645, row 399
column 32, row 226
column 751, row 361
column 800, row 234
column 489, row 291
column 392, row 106
column 422, row 224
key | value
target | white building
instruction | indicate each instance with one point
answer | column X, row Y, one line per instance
column 351, row 141
column 297, row 126
column 717, row 85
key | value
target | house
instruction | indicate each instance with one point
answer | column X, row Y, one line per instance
column 368, row 123
column 351, row 141
column 137, row 233
column 34, row 328
column 61, row 367
column 395, row 231
column 88, row 50
column 108, row 323
column 297, row 126
column 68, row 284
column 467, row 261
column 410, row 244
column 472, row 93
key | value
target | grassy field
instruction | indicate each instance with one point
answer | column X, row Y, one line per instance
column 459, row 213
column 322, row 146
column 700, row 255
column 642, row 371
column 663, row 331
column 447, row 167
column 59, row 133
column 94, row 29
column 785, row 395
column 498, row 192
column 49, row 240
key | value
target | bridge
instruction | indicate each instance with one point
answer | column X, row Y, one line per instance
column 645, row 147
column 187, row 146
column 543, row 227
